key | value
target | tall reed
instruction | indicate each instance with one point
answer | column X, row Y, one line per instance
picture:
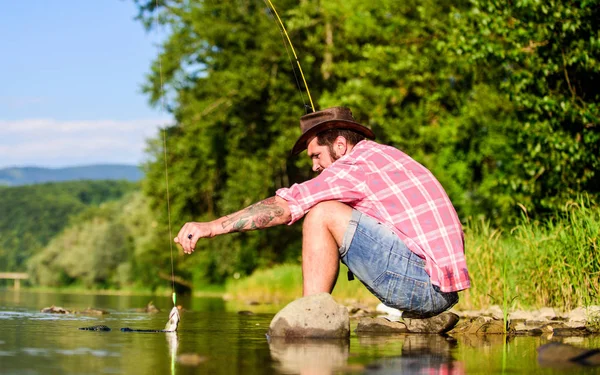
column 553, row 263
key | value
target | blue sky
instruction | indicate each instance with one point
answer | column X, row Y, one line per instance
column 71, row 73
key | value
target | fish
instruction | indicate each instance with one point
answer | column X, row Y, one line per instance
column 174, row 319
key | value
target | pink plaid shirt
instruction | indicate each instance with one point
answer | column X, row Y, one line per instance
column 388, row 185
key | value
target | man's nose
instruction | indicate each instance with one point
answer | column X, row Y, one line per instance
column 316, row 167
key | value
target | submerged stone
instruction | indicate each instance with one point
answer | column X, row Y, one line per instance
column 557, row 354
column 316, row 316
column 93, row 311
column 55, row 310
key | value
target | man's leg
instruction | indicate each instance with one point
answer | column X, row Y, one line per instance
column 322, row 235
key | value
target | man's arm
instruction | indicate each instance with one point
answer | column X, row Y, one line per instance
column 266, row 213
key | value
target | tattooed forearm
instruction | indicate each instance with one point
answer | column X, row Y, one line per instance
column 260, row 215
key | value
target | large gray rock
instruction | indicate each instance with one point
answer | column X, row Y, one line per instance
column 316, row 316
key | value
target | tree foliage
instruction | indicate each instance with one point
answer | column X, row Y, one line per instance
column 545, row 56
column 100, row 248
column 498, row 99
column 33, row 214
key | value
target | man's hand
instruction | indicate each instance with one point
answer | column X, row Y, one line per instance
column 266, row 213
column 191, row 232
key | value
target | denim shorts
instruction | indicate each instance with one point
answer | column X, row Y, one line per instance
column 393, row 273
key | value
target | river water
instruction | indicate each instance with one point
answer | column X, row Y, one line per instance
column 215, row 338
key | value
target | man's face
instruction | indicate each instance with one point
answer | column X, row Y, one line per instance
column 320, row 155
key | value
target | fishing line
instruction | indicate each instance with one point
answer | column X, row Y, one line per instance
column 164, row 133
column 287, row 50
column 283, row 31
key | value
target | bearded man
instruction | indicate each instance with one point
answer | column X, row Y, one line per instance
column 384, row 215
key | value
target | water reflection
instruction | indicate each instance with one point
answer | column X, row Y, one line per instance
column 173, row 343
column 415, row 354
column 309, row 356
column 420, row 354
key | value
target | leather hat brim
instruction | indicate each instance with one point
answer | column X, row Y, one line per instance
column 302, row 142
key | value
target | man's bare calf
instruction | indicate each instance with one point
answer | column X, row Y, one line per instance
column 322, row 234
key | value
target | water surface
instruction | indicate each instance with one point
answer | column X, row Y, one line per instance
column 219, row 340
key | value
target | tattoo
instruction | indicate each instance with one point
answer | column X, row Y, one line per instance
column 257, row 216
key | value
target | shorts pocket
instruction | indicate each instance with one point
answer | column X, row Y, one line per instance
column 404, row 293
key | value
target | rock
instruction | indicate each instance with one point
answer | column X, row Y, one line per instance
column 92, row 311
column 556, row 354
column 55, row 310
column 568, row 331
column 577, row 315
column 480, row 326
column 547, row 313
column 441, row 323
column 316, row 316
column 585, row 317
column 534, row 327
column 190, row 359
column 495, row 312
column 521, row 315
column 460, row 328
column 150, row 308
column 245, row 312
column 380, row 326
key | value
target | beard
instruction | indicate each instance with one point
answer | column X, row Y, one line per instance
column 334, row 156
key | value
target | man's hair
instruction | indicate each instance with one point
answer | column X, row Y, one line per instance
column 327, row 138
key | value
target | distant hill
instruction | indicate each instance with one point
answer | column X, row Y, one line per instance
column 33, row 175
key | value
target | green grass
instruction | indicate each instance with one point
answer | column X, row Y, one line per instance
column 553, row 263
column 283, row 283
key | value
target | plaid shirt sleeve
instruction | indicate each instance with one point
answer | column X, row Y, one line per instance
column 343, row 182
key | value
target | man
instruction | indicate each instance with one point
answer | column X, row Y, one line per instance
column 372, row 206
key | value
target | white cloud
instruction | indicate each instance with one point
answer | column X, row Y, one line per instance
column 54, row 143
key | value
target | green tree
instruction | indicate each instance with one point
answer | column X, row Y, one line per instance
column 100, row 248
column 32, row 215
column 545, row 57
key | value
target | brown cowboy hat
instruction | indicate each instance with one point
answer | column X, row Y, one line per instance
column 330, row 118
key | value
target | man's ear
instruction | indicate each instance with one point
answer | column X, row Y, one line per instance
column 340, row 146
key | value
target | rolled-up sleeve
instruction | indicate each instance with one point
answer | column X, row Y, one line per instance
column 339, row 182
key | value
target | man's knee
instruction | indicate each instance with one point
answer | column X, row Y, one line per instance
column 330, row 216
column 328, row 211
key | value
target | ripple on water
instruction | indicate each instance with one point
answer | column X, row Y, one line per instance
column 87, row 351
column 15, row 314
column 36, row 352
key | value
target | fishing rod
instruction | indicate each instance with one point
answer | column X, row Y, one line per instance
column 283, row 31
column 164, row 136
